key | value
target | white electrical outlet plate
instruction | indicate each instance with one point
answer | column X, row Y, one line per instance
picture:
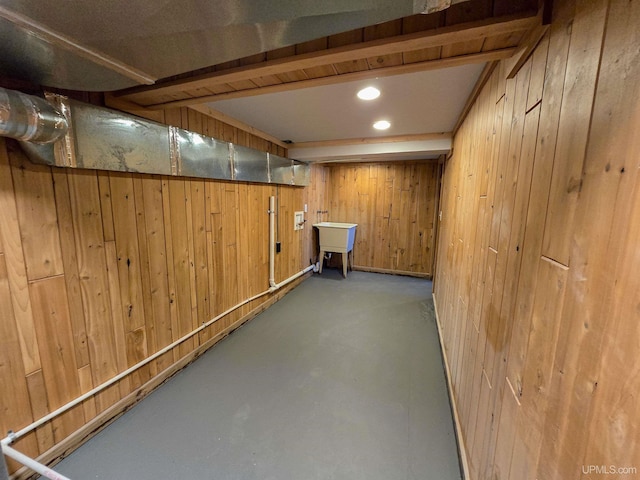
column 298, row 220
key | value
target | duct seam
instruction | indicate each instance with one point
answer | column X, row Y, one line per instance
column 65, row 149
column 269, row 167
column 232, row 163
column 174, row 152
column 32, row 118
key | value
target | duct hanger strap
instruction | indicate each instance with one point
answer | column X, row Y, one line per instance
column 30, row 119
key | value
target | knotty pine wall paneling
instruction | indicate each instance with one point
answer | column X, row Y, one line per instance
column 393, row 204
column 99, row 270
column 537, row 287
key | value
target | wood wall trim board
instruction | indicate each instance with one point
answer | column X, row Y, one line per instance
column 528, row 44
column 108, row 416
column 479, row 57
column 462, row 448
column 393, row 272
column 379, row 47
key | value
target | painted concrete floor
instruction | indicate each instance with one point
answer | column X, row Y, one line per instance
column 341, row 379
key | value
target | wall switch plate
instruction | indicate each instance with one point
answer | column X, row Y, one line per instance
column 298, row 220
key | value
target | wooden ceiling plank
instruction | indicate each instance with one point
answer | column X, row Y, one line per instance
column 395, row 70
column 423, row 55
column 385, row 61
column 384, row 46
column 266, row 81
column 351, row 67
column 320, row 72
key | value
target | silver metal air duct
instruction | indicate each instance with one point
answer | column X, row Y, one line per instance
column 28, row 118
column 103, row 139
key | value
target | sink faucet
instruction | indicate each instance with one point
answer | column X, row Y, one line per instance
column 320, row 213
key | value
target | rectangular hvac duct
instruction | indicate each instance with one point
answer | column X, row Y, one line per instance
column 107, row 140
column 104, row 139
column 253, row 166
column 201, row 156
column 281, row 169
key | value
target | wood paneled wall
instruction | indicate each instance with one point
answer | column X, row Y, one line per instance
column 394, row 205
column 537, row 285
column 100, row 270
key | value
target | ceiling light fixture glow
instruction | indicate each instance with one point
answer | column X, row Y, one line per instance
column 381, row 125
column 369, row 93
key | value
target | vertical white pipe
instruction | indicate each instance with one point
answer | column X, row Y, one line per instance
column 272, row 241
column 4, row 475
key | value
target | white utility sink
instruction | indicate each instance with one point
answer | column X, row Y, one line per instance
column 338, row 238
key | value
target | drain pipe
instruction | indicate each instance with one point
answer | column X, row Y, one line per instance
column 30, row 463
column 30, row 119
column 4, row 474
column 272, row 242
column 273, row 286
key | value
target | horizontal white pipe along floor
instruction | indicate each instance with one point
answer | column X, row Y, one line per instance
column 341, row 379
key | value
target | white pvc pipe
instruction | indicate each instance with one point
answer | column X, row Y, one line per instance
column 32, row 464
column 273, row 286
column 272, row 241
column 276, row 286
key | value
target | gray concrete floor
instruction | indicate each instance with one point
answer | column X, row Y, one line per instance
column 341, row 379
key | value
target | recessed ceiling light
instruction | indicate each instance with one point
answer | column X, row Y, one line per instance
column 369, row 93
column 381, row 125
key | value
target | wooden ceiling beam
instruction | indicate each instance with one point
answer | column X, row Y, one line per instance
column 481, row 57
column 464, row 32
column 373, row 140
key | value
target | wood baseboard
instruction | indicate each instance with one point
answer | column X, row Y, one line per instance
column 462, row 451
column 392, row 272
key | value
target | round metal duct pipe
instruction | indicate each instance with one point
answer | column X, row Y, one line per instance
column 30, row 119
